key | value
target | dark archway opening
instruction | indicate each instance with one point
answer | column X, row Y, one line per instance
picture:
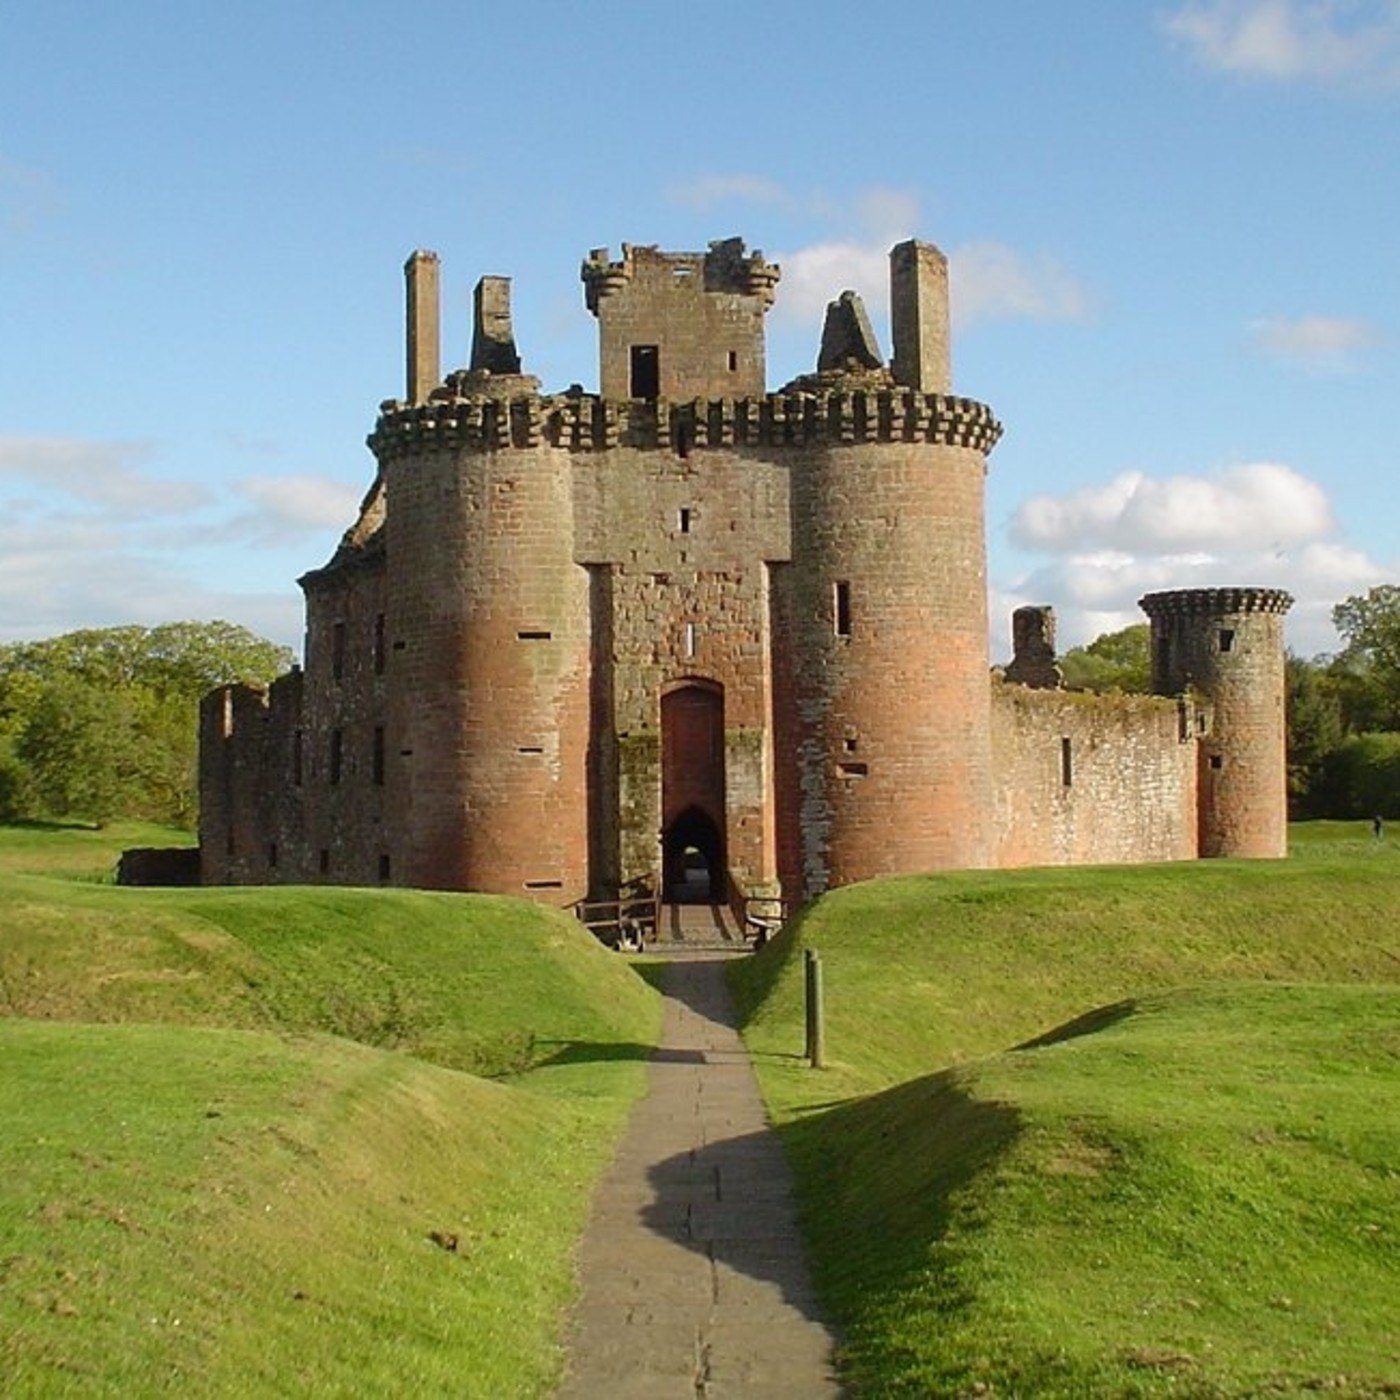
column 692, row 860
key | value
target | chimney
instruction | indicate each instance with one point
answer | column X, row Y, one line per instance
column 424, row 345
column 919, row 317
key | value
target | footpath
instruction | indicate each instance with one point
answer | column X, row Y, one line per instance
column 695, row 1284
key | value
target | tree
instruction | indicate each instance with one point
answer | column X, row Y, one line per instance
column 103, row 722
column 1367, row 669
column 1316, row 729
column 1115, row 661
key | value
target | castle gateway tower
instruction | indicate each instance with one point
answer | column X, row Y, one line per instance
column 687, row 634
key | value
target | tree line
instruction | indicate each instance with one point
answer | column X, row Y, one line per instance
column 104, row 722
column 1343, row 710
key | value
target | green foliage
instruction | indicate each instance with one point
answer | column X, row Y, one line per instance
column 102, row 723
column 1367, row 669
column 1315, row 729
column 1115, row 661
column 1361, row 777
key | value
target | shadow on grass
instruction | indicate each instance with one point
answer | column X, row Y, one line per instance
column 588, row 1052
column 1100, row 1018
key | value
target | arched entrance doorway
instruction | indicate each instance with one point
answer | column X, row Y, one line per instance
column 692, row 793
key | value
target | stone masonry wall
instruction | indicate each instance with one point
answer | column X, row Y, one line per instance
column 1081, row 778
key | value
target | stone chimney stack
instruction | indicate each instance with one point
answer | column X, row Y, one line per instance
column 493, row 339
column 919, row 317
column 424, row 338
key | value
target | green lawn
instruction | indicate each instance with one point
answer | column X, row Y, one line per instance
column 322, row 1140
column 1179, row 1192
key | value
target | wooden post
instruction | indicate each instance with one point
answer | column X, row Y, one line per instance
column 818, row 1015
column 808, row 957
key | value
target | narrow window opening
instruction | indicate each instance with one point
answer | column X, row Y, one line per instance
column 544, row 884
column 399, row 646
column 272, row 855
column 849, row 745
column 853, row 770
column 325, row 861
column 337, row 753
column 377, row 756
column 530, row 748
column 1227, row 639
column 383, row 869
column 1066, row 763
column 843, row 609
column 684, row 433
column 646, row 372
column 683, row 520
column 338, row 650
column 298, row 746
column 1216, row 761
column 379, row 645
column 733, row 361
column 533, row 636
column 689, row 640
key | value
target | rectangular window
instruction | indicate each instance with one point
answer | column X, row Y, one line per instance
column 853, row 770
column 1215, row 760
column 733, row 361
column 533, row 636
column 338, row 650
column 683, row 520
column 843, row 609
column 689, row 641
column 298, row 744
column 1066, row 763
column 383, row 869
column 325, row 861
column 379, row 645
column 272, row 854
column 544, row 884
column 337, row 753
column 1227, row 639
column 646, row 372
column 377, row 756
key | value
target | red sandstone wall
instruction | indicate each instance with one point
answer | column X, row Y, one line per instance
column 889, row 726
column 1131, row 770
column 488, row 618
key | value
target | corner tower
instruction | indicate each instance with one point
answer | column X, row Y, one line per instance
column 1227, row 645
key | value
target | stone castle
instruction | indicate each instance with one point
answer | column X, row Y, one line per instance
column 686, row 634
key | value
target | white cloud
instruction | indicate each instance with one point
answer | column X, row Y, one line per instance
column 64, row 574
column 1261, row 505
column 1353, row 42
column 1258, row 525
column 993, row 282
column 815, row 275
column 706, row 191
column 1321, row 343
column 107, row 475
column 298, row 503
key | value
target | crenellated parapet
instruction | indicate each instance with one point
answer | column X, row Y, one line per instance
column 726, row 267
column 590, row 423
column 1214, row 602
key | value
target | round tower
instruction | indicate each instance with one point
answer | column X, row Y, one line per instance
column 487, row 623
column 889, row 644
column 1226, row 645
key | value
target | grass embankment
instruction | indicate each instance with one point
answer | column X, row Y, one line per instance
column 248, row 1145
column 1178, row 1193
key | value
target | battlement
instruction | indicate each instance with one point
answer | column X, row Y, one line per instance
column 725, row 268
column 591, row 423
column 1213, row 602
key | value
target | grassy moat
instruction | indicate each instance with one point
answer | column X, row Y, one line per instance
column 1112, row 1132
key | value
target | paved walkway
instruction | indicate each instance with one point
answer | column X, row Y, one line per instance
column 694, row 1280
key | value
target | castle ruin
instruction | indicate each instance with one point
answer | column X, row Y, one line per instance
column 584, row 643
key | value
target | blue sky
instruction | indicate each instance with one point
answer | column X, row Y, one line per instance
column 1172, row 229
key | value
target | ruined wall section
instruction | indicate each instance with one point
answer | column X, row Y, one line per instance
column 251, row 790
column 1091, row 779
column 1226, row 644
column 488, row 620
column 887, row 727
column 345, row 838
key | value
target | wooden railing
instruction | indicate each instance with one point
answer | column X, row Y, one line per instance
column 625, row 924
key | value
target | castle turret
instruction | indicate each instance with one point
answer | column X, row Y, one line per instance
column 890, row 701
column 1226, row 645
